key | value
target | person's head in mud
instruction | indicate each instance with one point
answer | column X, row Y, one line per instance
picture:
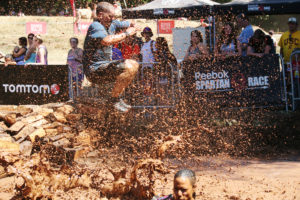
column 293, row 24
column 105, row 13
column 184, row 185
column 30, row 38
column 147, row 33
column 259, row 36
column 242, row 20
column 196, row 37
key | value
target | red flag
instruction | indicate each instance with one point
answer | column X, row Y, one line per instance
column 73, row 7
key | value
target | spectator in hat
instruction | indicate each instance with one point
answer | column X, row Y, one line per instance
column 246, row 34
column 289, row 40
column 183, row 188
column 260, row 44
column 148, row 49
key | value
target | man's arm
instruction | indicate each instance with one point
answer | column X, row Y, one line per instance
column 114, row 39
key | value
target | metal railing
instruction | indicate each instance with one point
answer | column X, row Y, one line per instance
column 294, row 75
column 155, row 86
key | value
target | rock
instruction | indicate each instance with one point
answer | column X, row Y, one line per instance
column 51, row 132
column 6, row 137
column 23, row 110
column 52, row 125
column 39, row 123
column 3, row 173
column 27, row 130
column 53, row 105
column 25, row 148
column 3, row 127
column 10, row 118
column 16, row 127
column 58, row 116
column 33, row 118
column 9, row 147
column 66, row 109
column 62, row 142
column 45, row 111
column 73, row 154
column 57, row 137
column 38, row 132
column 73, row 117
column 83, row 139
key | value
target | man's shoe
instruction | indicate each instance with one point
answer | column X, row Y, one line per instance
column 121, row 106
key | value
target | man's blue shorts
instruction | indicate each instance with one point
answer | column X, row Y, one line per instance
column 104, row 72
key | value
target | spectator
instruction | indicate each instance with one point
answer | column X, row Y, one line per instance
column 148, row 49
column 227, row 44
column 163, row 54
column 19, row 52
column 42, row 53
column 197, row 49
column 21, row 14
column 9, row 60
column 74, row 60
column 245, row 35
column 289, row 40
column 260, row 44
column 129, row 48
column 184, row 186
column 30, row 56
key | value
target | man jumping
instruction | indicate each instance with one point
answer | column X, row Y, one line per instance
column 97, row 55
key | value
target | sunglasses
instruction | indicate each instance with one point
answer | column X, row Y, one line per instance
column 30, row 38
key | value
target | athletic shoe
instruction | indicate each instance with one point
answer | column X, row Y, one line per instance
column 121, row 106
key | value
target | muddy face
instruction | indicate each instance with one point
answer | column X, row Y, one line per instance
column 183, row 189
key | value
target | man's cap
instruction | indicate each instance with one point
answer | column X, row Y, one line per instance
column 293, row 20
column 147, row 30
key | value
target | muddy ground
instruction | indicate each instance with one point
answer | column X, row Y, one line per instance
column 78, row 151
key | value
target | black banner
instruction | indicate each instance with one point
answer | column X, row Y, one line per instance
column 33, row 84
column 234, row 82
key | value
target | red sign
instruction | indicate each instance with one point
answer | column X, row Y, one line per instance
column 165, row 27
column 82, row 27
column 36, row 27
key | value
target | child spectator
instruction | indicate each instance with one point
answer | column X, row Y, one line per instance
column 19, row 52
column 148, row 49
column 260, row 44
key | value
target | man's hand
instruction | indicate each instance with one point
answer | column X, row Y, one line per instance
column 131, row 31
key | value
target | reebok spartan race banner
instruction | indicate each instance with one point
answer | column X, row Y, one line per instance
column 35, row 84
column 234, row 82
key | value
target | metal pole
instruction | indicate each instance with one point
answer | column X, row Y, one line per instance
column 125, row 4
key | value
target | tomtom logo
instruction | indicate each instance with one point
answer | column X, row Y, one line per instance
column 55, row 89
column 20, row 88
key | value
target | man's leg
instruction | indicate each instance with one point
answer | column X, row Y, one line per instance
column 125, row 78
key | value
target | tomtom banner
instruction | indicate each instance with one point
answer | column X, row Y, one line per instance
column 235, row 82
column 165, row 26
column 82, row 27
column 33, row 84
column 36, row 27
